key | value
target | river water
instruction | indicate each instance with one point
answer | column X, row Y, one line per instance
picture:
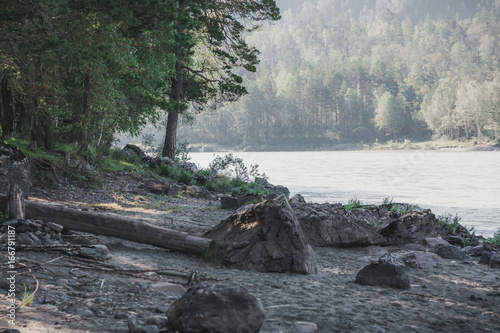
column 463, row 183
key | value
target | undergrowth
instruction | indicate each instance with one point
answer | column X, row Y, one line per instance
column 496, row 238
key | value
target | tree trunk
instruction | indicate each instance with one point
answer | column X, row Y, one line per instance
column 115, row 226
column 15, row 203
column 173, row 116
column 83, row 144
column 7, row 117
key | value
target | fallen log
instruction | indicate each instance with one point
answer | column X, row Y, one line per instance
column 114, row 226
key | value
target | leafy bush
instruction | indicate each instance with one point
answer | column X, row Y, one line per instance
column 234, row 167
column 450, row 222
column 353, row 203
column 496, row 238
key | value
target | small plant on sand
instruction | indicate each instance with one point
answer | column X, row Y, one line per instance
column 28, row 296
column 450, row 222
column 496, row 238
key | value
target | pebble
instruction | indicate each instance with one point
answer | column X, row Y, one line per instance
column 121, row 316
column 47, row 308
column 147, row 329
column 170, row 288
column 85, row 313
column 159, row 321
column 306, row 327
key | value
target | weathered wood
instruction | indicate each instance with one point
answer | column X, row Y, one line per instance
column 15, row 203
column 115, row 226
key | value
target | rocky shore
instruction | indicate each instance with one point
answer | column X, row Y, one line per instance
column 296, row 266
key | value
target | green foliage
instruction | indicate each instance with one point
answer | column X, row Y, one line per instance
column 3, row 217
column 215, row 252
column 452, row 223
column 367, row 76
column 353, row 203
column 28, row 296
column 232, row 166
column 496, row 238
column 387, row 201
column 175, row 173
column 403, row 208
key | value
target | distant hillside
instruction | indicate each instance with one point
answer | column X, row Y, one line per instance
column 416, row 10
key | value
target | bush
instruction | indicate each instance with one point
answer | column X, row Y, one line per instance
column 496, row 238
column 450, row 222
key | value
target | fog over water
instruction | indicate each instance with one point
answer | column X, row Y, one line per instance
column 463, row 183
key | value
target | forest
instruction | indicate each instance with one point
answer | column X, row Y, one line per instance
column 76, row 72
column 335, row 71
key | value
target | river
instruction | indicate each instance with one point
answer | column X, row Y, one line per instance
column 462, row 183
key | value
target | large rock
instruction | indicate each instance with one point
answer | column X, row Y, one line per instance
column 389, row 271
column 334, row 225
column 217, row 308
column 13, row 169
column 413, row 227
column 266, row 237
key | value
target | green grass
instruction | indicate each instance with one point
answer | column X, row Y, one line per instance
column 28, row 296
column 450, row 222
column 353, row 203
column 403, row 208
column 496, row 238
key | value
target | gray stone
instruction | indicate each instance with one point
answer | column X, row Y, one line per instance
column 389, row 271
column 297, row 198
column 495, row 260
column 266, row 237
column 189, row 166
column 85, row 313
column 169, row 288
column 158, row 321
column 132, row 324
column 167, row 160
column 450, row 252
column 334, row 226
column 216, row 308
column 147, row 329
column 54, row 226
column 14, row 168
column 306, row 327
column 97, row 251
column 24, row 239
column 420, row 259
column 120, row 316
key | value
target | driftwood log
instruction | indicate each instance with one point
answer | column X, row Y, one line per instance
column 115, row 226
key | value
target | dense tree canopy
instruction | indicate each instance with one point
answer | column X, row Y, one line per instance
column 77, row 71
column 356, row 71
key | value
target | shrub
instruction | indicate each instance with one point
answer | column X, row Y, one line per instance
column 353, row 203
column 450, row 222
column 496, row 238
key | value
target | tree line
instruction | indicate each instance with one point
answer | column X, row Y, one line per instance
column 327, row 79
column 76, row 71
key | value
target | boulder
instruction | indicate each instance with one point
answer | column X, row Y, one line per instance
column 495, row 260
column 413, row 227
column 265, row 237
column 216, row 308
column 334, row 226
column 450, row 252
column 297, row 198
column 130, row 148
column 389, row 271
column 13, row 169
column 420, row 259
column 228, row 202
column 189, row 166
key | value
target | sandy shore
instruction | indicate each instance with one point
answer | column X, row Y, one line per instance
column 83, row 296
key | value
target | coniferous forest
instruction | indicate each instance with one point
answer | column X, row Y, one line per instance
column 336, row 71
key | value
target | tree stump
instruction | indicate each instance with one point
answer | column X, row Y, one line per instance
column 15, row 203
